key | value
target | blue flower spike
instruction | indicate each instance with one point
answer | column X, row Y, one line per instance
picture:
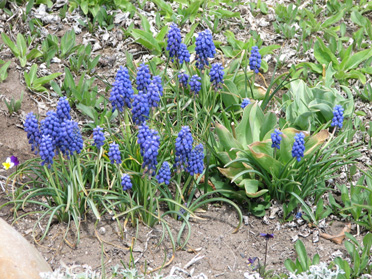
column 338, row 116
column 33, row 131
column 276, row 139
column 204, row 48
column 63, row 109
column 183, row 79
column 195, row 84
column 143, row 78
column 174, row 41
column 245, row 103
column 46, row 150
column 195, row 164
column 126, row 182
column 164, row 175
column 140, row 109
column 255, row 60
column 183, row 147
column 51, row 126
column 114, row 153
column 216, row 75
column 122, row 91
column 150, row 152
column 183, row 54
column 98, row 137
column 298, row 146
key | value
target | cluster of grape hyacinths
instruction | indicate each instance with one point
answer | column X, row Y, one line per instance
column 63, row 109
column 143, row 78
column 204, row 48
column 114, row 153
column 164, row 174
column 141, row 109
column 195, row 84
column 276, row 139
column 338, row 116
column 183, row 79
column 216, row 75
column 298, row 146
column 174, row 41
column 255, row 60
column 143, row 133
column 98, row 137
column 195, row 163
column 33, row 132
column 245, row 103
column 122, row 91
column 176, row 48
column 46, row 150
column 126, row 182
column 183, row 147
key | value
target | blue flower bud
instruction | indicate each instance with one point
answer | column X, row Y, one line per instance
column 98, row 137
column 195, row 84
column 164, row 174
column 276, row 139
column 195, row 164
column 183, row 79
column 46, row 150
column 255, row 60
column 114, row 153
column 122, row 91
column 143, row 78
column 204, row 48
column 33, row 132
column 183, row 54
column 183, row 147
column 174, row 40
column 63, row 109
column 338, row 116
column 216, row 75
column 245, row 103
column 126, row 182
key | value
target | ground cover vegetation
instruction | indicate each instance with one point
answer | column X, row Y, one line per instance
column 198, row 121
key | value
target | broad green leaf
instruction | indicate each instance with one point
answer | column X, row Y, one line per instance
column 4, row 71
column 314, row 67
column 323, row 55
column 145, row 23
column 10, row 44
column 227, row 13
column 226, row 138
column 231, row 172
column 164, row 6
column 358, row 19
column 248, row 130
column 315, row 141
column 34, row 53
column 21, row 43
column 191, row 11
column 333, row 19
column 251, row 188
column 190, row 34
column 146, row 39
column 267, row 162
column 357, row 58
column 302, row 255
column 46, row 79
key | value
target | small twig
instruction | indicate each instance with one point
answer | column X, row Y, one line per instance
column 193, row 260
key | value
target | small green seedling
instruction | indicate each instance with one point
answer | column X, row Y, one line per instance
column 14, row 105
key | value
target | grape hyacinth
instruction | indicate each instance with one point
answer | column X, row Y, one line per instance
column 126, row 182
column 298, row 146
column 46, row 150
column 245, row 103
column 150, row 152
column 70, row 138
column 195, row 84
column 174, row 40
column 276, row 139
column 204, row 48
column 51, row 126
column 195, row 163
column 143, row 133
column 98, row 137
column 157, row 81
column 114, row 153
column 338, row 116
column 183, row 79
column 143, row 77
column 33, row 132
column 153, row 96
column 255, row 60
column 183, row 54
column 183, row 147
column 164, row 174
column 216, row 75
column 122, row 91
column 63, row 109
column 141, row 109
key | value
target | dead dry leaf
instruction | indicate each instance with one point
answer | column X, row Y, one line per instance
column 337, row 238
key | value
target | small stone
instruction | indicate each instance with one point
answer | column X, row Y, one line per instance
column 102, row 230
column 245, row 220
